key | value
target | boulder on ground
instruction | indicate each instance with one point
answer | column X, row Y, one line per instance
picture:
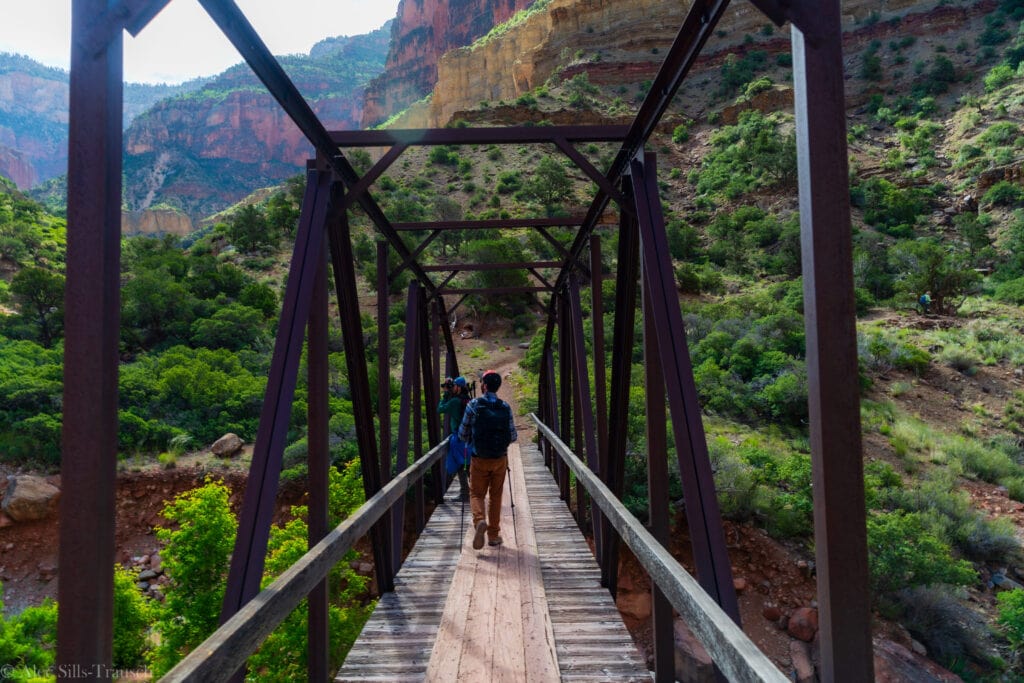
column 803, row 624
column 28, row 498
column 895, row 664
column 693, row 663
column 227, row 446
column 635, row 605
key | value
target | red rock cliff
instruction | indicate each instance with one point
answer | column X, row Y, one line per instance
column 423, row 31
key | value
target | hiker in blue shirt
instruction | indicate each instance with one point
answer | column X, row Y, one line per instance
column 487, row 428
column 453, row 406
column 926, row 302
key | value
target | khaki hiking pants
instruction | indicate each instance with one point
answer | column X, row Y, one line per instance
column 487, row 477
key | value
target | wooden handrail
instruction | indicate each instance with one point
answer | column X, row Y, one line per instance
column 226, row 650
column 730, row 648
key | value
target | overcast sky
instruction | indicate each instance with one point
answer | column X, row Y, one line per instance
column 182, row 42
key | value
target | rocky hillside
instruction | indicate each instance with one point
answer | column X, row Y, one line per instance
column 423, row 31
column 205, row 150
column 614, row 42
column 34, row 117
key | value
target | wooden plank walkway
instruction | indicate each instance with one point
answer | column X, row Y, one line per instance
column 531, row 609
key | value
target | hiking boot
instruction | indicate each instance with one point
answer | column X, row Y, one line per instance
column 478, row 537
column 495, row 541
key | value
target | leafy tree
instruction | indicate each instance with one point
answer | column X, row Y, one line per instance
column 549, row 184
column 131, row 620
column 889, row 208
column 196, row 556
column 39, row 294
column 448, row 210
column 154, row 308
column 261, row 297
column 925, row 266
column 1011, row 618
column 235, row 327
column 31, row 384
column 502, row 250
column 249, row 230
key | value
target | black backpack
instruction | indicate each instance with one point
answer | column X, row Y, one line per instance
column 491, row 435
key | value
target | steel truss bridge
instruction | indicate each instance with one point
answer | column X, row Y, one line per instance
column 566, row 415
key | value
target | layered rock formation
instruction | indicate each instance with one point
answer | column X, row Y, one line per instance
column 33, row 123
column 156, row 222
column 423, row 31
column 614, row 41
column 207, row 150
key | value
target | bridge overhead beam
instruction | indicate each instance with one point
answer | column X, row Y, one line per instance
column 476, row 136
column 840, row 537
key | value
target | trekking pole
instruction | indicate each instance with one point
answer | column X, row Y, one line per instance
column 515, row 531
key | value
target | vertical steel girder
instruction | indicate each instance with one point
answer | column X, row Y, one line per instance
column 565, row 387
column 585, row 419
column 91, row 336
column 622, row 366
column 359, row 381
column 431, row 393
column 703, row 516
column 264, row 472
column 383, row 361
column 409, row 370
column 600, row 372
column 657, row 493
column 419, row 507
column 840, row 536
column 319, row 458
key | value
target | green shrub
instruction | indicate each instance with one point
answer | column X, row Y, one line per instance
column 681, row 133
column 1011, row 291
column 1011, row 618
column 196, row 556
column 999, row 76
column 903, row 553
column 28, row 641
column 1003, row 193
column 132, row 616
column 961, row 360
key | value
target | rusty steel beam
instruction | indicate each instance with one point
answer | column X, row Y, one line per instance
column 414, row 255
column 370, row 177
column 476, row 136
column 622, row 365
column 565, row 387
column 383, row 361
column 257, row 511
column 657, row 493
column 431, row 394
column 586, row 419
column 600, row 367
column 126, row 15
column 703, row 516
column 419, row 504
column 319, row 462
column 515, row 265
column 494, row 290
column 409, row 361
column 492, row 224
column 375, row 474
column 698, row 25
column 91, row 338
column 840, row 536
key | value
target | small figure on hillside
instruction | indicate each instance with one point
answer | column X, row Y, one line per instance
column 453, row 405
column 488, row 428
column 926, row 302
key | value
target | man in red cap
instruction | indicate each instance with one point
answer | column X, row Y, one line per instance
column 488, row 428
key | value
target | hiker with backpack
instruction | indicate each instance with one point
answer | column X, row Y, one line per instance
column 453, row 407
column 487, row 428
